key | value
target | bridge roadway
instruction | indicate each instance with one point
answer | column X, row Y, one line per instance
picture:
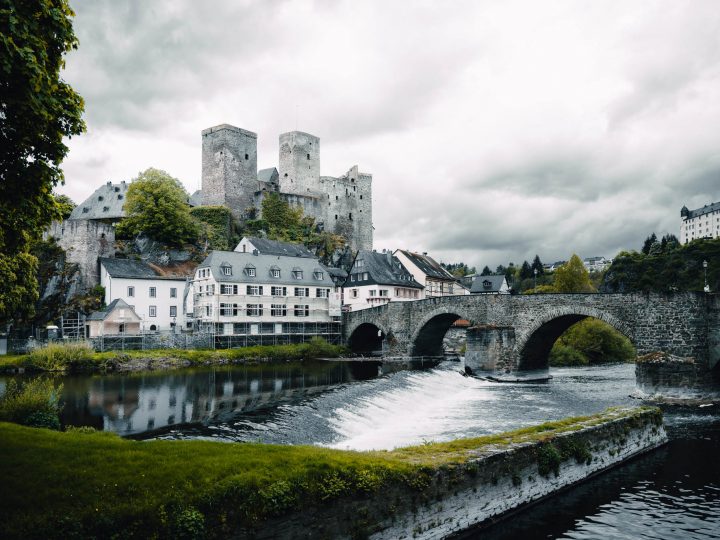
column 516, row 332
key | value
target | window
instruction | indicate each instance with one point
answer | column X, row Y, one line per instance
column 153, row 292
column 308, row 156
column 350, row 216
column 318, row 275
column 247, row 156
column 173, row 311
column 173, row 292
column 254, row 310
column 228, row 289
column 278, row 310
column 275, row 272
column 352, row 277
column 354, row 293
column 302, row 311
column 297, row 274
column 228, row 310
column 322, row 293
column 153, row 311
column 302, row 291
column 359, row 263
column 131, row 291
column 250, row 272
column 383, row 292
column 227, row 270
column 366, row 276
column 208, row 310
column 254, row 290
column 278, row 291
column 373, row 292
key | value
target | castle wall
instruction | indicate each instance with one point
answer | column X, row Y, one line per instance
column 299, row 163
column 229, row 168
column 84, row 241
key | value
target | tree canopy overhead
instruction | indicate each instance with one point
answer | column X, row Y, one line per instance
column 156, row 205
column 37, row 110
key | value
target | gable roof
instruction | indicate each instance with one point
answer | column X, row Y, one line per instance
column 382, row 269
column 105, row 203
column 103, row 314
column 275, row 247
column 196, row 198
column 427, row 265
column 270, row 175
column 484, row 284
column 263, row 265
column 133, row 269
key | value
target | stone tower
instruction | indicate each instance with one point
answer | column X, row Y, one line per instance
column 299, row 163
column 229, row 168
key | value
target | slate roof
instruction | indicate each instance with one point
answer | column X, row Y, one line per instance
column 103, row 313
column 196, row 198
column 275, row 247
column 382, row 269
column 105, row 203
column 712, row 207
column 427, row 265
column 129, row 268
column 270, row 175
column 263, row 264
column 338, row 275
column 478, row 284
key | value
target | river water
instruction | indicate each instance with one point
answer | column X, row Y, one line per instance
column 671, row 493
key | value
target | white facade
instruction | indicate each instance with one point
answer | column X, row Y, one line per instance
column 436, row 280
column 159, row 302
column 596, row 264
column 249, row 293
column 701, row 223
column 366, row 296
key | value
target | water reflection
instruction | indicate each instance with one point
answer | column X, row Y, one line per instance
column 148, row 402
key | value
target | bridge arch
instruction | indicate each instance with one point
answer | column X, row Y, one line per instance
column 366, row 337
column 533, row 345
column 427, row 338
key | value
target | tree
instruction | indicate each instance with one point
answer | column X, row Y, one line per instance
column 486, row 271
column 649, row 241
column 537, row 265
column 156, row 205
column 65, row 205
column 525, row 271
column 37, row 111
column 573, row 277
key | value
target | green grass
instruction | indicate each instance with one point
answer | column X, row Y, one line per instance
column 72, row 357
column 87, row 483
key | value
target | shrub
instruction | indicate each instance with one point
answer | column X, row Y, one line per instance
column 60, row 356
column 33, row 403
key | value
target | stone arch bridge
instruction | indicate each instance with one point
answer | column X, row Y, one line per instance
column 510, row 332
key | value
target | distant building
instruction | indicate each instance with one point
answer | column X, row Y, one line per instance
column 105, row 204
column 700, row 223
column 272, row 247
column 250, row 293
column 493, row 284
column 428, row 272
column 161, row 301
column 376, row 279
column 596, row 264
column 116, row 319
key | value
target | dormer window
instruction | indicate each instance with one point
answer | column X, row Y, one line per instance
column 85, row 209
column 318, row 275
column 487, row 284
column 101, row 198
column 275, row 272
column 297, row 273
column 227, row 270
column 106, row 208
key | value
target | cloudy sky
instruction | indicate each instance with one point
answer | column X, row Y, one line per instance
column 493, row 130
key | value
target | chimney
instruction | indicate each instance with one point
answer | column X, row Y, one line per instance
column 255, row 252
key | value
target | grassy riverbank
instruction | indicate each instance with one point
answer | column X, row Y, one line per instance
column 83, row 483
column 78, row 357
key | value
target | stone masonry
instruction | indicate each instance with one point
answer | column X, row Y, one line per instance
column 517, row 332
column 342, row 205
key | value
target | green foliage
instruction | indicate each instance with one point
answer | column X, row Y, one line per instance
column 573, row 277
column 281, row 221
column 537, row 265
column 486, row 271
column 591, row 341
column 38, row 111
column 156, row 205
column 458, row 269
column 35, row 402
column 215, row 224
column 65, row 206
column 60, row 357
column 540, row 289
column 673, row 267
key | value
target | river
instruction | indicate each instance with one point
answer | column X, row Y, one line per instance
column 671, row 493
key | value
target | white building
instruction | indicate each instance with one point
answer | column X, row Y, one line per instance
column 700, row 223
column 161, row 302
column 249, row 293
column 596, row 264
column 376, row 279
column 427, row 272
column 492, row 284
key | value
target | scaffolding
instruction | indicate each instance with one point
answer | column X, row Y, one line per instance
column 72, row 325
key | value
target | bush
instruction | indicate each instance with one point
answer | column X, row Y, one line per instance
column 563, row 355
column 60, row 356
column 34, row 403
